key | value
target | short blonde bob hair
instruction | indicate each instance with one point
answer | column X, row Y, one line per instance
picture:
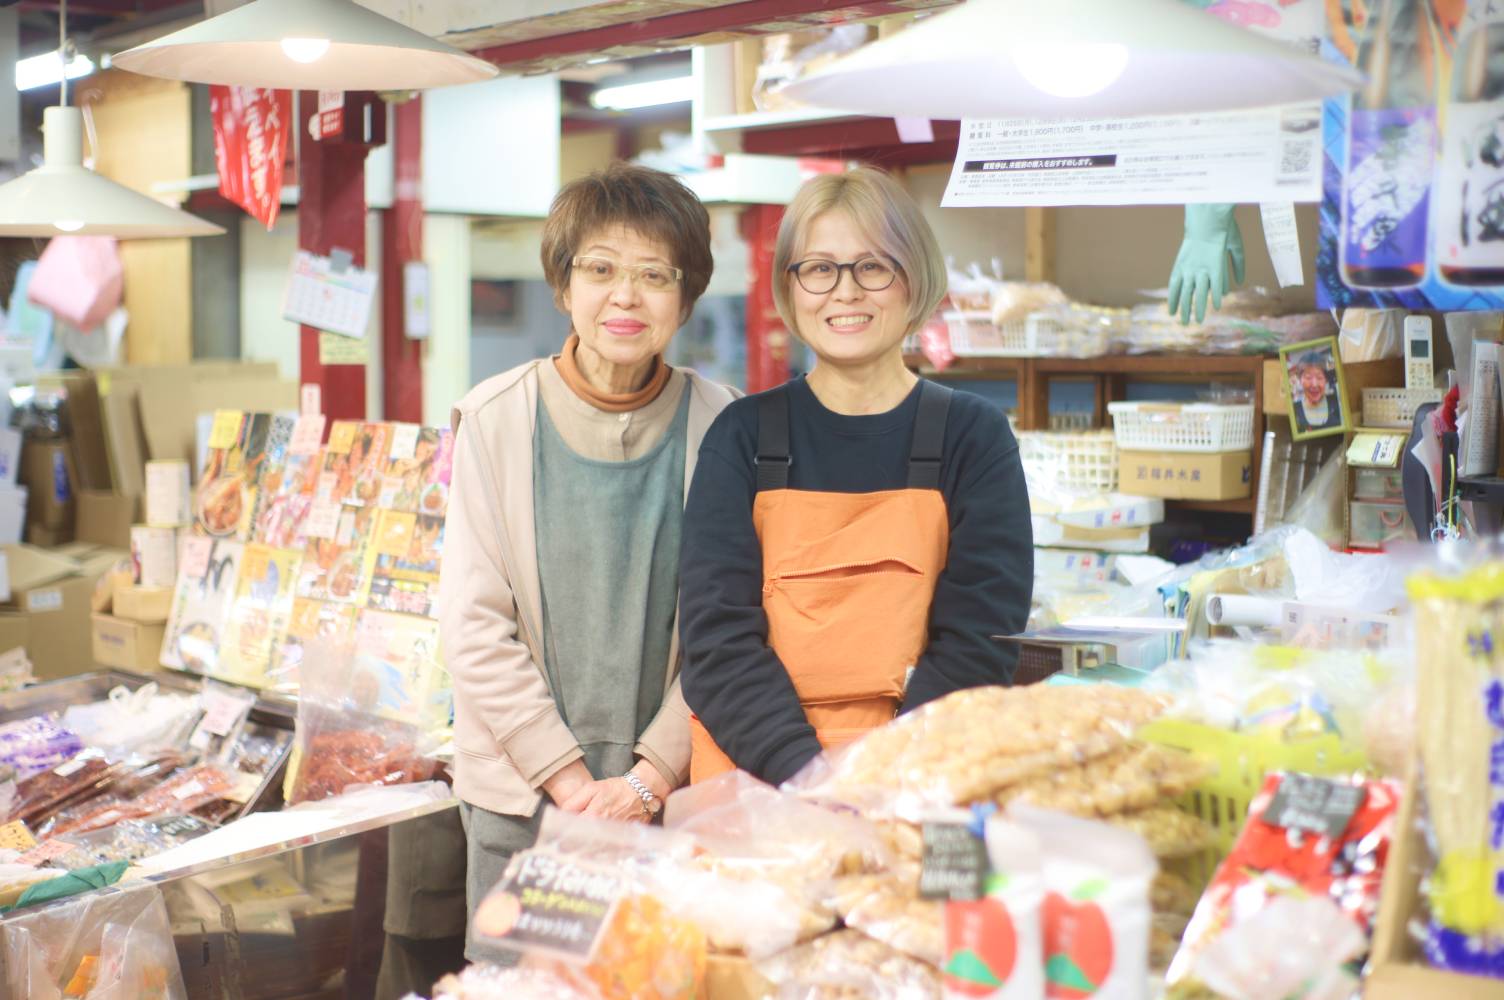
column 885, row 215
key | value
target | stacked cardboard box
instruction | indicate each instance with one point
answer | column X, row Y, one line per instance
column 50, row 599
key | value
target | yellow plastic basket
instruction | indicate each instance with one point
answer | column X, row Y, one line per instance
column 1242, row 761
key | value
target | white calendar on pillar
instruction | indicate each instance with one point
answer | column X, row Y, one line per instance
column 329, row 293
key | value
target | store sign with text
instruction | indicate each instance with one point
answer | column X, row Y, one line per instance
column 250, row 146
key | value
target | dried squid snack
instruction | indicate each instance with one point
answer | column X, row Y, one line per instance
column 848, row 965
column 1129, row 778
column 969, row 745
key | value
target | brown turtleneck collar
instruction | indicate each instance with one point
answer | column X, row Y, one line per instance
column 611, row 402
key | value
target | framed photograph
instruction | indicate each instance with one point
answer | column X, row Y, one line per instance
column 1318, row 397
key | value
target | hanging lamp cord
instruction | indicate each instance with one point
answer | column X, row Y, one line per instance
column 62, row 48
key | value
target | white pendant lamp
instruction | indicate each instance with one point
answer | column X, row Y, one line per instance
column 1070, row 59
column 305, row 45
column 64, row 196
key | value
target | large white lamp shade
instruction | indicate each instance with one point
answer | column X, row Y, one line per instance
column 63, row 196
column 1070, row 59
column 305, row 45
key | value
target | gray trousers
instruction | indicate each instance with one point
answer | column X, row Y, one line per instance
column 491, row 840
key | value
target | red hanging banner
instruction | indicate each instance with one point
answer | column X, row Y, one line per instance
column 250, row 146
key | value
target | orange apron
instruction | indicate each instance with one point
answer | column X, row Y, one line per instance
column 847, row 582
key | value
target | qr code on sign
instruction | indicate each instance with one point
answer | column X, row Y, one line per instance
column 1294, row 159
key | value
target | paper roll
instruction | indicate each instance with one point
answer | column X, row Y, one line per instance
column 1238, row 609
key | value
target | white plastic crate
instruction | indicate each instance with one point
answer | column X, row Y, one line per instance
column 1209, row 427
column 1077, row 462
column 974, row 335
column 1395, row 407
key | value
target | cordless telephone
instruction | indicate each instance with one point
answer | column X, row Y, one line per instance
column 1419, row 370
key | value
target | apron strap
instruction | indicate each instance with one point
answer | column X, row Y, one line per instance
column 773, row 459
column 929, row 437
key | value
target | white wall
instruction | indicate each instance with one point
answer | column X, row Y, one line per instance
column 265, row 259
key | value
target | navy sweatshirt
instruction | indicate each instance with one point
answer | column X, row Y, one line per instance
column 732, row 679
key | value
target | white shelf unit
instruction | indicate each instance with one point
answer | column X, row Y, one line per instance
column 716, row 122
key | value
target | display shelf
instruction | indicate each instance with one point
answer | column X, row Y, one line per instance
column 762, row 120
column 1482, row 489
column 1244, row 506
column 965, row 367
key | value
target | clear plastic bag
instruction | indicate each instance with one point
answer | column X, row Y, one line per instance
column 139, row 721
column 1122, row 780
column 968, row 746
column 493, row 982
column 1013, row 301
column 888, row 908
column 100, row 946
column 848, row 965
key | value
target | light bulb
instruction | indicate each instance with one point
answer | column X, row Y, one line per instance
column 1072, row 69
column 305, row 50
column 69, row 225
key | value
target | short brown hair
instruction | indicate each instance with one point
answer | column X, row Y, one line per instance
column 886, row 215
column 649, row 201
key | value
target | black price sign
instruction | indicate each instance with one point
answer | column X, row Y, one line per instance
column 552, row 903
column 1314, row 805
column 954, row 864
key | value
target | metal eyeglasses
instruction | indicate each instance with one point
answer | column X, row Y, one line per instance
column 819, row 276
column 603, row 271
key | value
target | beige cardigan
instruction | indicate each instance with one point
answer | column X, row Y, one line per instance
column 509, row 737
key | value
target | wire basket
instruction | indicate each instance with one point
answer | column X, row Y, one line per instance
column 1182, row 426
column 1076, row 462
column 1395, row 407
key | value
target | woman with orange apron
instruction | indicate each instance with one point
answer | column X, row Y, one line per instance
column 854, row 539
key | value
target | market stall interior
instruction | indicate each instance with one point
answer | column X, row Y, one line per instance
column 1233, row 272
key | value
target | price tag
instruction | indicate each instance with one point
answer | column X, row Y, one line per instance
column 15, row 837
column 183, row 827
column 307, row 435
column 323, row 519
column 342, row 437
column 188, row 791
column 395, row 536
column 1314, row 805
column 50, row 599
column 551, row 903
column 226, row 428
column 70, row 768
column 193, row 558
column 404, row 442
column 44, row 852
column 954, row 865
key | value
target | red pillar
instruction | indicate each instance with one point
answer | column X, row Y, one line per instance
column 402, row 241
column 767, row 339
column 331, row 214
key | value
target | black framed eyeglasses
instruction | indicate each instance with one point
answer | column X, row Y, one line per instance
column 819, row 276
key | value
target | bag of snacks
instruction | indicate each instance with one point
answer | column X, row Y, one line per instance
column 1096, row 907
column 493, row 982
column 848, row 965
column 30, row 746
column 1129, row 778
column 970, row 745
column 99, row 946
column 994, row 946
column 1305, row 836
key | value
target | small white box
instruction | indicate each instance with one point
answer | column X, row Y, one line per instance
column 167, row 494
column 12, row 514
column 10, row 455
column 154, row 555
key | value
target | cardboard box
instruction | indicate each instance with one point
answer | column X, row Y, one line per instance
column 1186, row 475
column 53, row 595
column 47, row 474
column 105, row 518
column 150, row 605
column 10, row 456
column 126, row 644
column 86, row 435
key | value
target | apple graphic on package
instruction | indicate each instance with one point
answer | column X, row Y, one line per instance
column 1078, row 944
column 984, row 947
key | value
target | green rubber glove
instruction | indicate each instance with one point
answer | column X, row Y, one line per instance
column 1211, row 236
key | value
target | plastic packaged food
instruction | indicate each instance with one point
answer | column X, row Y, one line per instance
column 1169, row 832
column 889, row 909
column 1125, row 779
column 184, row 791
column 848, row 965
column 1305, row 837
column 994, row 946
column 1096, row 908
column 967, row 746
column 30, row 746
column 83, row 777
column 139, row 721
column 135, row 839
column 493, row 982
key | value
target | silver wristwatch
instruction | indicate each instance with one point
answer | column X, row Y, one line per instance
column 650, row 803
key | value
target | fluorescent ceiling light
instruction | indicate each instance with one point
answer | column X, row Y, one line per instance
column 64, row 196
column 305, row 45
column 1069, row 59
column 674, row 90
column 43, row 70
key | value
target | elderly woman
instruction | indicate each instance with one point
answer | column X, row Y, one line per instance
column 561, row 566
column 853, row 540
